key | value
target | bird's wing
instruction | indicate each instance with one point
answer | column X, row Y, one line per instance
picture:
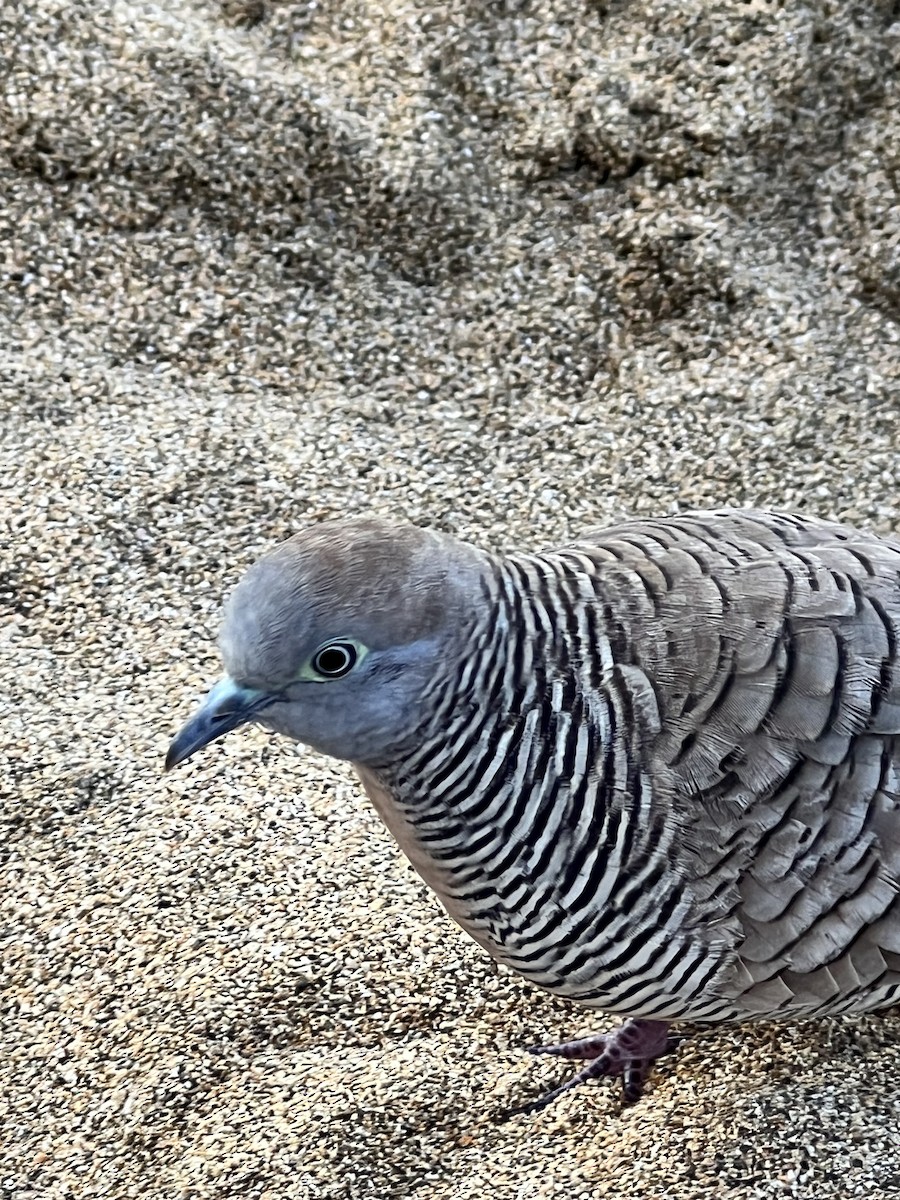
column 771, row 643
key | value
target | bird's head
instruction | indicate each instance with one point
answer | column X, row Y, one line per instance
column 338, row 636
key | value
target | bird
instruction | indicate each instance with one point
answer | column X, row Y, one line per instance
column 653, row 770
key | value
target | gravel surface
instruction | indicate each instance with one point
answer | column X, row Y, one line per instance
column 507, row 268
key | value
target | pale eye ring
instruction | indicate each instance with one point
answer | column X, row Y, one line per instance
column 334, row 660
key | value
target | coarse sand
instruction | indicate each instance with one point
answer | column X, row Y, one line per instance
column 505, row 268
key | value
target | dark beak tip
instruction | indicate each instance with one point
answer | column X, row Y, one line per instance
column 227, row 706
column 193, row 737
column 174, row 756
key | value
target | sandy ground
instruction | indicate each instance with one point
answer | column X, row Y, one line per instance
column 508, row 268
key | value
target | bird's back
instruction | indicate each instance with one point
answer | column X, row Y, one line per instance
column 770, row 642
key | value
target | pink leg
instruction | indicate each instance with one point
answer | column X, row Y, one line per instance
column 627, row 1052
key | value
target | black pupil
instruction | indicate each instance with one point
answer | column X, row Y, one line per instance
column 335, row 660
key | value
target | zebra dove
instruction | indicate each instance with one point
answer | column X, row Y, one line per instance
column 654, row 771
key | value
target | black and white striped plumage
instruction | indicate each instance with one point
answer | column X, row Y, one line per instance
column 655, row 771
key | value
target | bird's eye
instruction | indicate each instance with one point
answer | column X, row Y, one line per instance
column 334, row 660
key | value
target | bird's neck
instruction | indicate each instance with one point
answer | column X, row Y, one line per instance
column 522, row 794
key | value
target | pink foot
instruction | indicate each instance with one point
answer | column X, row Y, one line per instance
column 627, row 1052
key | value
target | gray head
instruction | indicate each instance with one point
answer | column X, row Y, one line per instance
column 335, row 637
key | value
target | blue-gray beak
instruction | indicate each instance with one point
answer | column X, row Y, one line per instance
column 227, row 706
